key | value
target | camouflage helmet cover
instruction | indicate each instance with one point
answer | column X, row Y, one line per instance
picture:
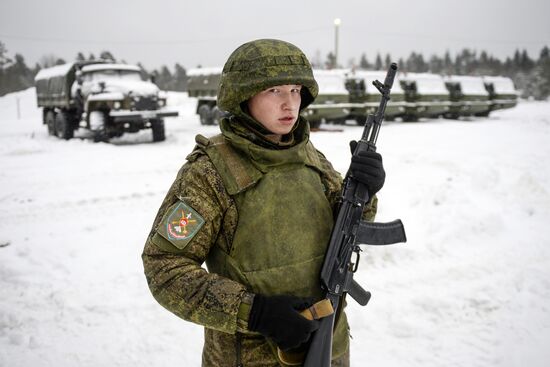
column 260, row 64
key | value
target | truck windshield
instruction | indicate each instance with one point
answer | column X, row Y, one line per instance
column 112, row 74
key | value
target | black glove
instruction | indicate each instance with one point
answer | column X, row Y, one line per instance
column 367, row 168
column 278, row 318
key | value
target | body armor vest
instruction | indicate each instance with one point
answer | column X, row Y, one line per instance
column 285, row 219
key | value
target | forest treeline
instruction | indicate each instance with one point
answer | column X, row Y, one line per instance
column 530, row 75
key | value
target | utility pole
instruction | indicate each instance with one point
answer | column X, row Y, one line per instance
column 337, row 23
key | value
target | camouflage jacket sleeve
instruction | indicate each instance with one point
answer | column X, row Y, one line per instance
column 174, row 269
column 332, row 180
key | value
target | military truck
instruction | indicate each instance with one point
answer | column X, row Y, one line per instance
column 502, row 93
column 202, row 83
column 365, row 98
column 425, row 95
column 106, row 98
column 468, row 96
column 332, row 104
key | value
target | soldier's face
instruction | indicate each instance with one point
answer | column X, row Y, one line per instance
column 277, row 108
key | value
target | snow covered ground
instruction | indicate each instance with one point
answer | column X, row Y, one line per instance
column 470, row 288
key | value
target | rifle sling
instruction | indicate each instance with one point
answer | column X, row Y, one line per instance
column 317, row 311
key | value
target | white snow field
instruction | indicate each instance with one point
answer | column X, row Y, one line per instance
column 471, row 287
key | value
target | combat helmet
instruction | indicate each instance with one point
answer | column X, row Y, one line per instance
column 260, row 64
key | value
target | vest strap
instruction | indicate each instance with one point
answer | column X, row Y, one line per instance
column 236, row 172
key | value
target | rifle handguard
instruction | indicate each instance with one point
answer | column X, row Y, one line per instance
column 317, row 311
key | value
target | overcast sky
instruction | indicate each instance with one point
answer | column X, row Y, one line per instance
column 205, row 32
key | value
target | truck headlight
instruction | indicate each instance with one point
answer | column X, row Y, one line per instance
column 161, row 102
column 117, row 105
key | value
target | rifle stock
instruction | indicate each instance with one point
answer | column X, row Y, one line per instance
column 349, row 231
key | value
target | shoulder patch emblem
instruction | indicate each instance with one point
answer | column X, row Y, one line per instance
column 180, row 224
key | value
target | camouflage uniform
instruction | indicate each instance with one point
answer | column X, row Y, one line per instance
column 216, row 212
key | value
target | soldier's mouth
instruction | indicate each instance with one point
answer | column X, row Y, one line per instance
column 287, row 119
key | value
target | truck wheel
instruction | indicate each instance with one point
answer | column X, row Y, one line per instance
column 63, row 125
column 314, row 124
column 157, row 126
column 217, row 115
column 205, row 115
column 339, row 121
column 409, row 118
column 49, row 120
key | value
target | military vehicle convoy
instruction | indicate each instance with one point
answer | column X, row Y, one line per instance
column 106, row 98
column 468, row 95
column 350, row 95
column 365, row 98
column 331, row 105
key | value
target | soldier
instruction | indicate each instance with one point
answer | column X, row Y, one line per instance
column 256, row 204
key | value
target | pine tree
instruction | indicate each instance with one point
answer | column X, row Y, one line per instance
column 378, row 62
column 143, row 72
column 330, row 63
column 106, row 55
column 387, row 61
column 80, row 57
column 4, row 59
column 180, row 77
column 364, row 63
column 165, row 79
column 540, row 76
column 435, row 65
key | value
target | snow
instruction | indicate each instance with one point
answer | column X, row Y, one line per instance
column 426, row 83
column 102, row 66
column 331, row 81
column 371, row 75
column 502, row 84
column 469, row 288
column 470, row 85
column 54, row 71
column 205, row 71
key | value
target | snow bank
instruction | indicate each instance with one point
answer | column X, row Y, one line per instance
column 470, row 288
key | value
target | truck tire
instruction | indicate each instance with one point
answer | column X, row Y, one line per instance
column 49, row 120
column 217, row 115
column 157, row 126
column 409, row 118
column 314, row 124
column 205, row 115
column 63, row 125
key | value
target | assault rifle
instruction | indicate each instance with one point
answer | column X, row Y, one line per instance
column 349, row 231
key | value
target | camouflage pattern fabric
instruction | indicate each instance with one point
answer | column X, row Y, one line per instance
column 260, row 64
